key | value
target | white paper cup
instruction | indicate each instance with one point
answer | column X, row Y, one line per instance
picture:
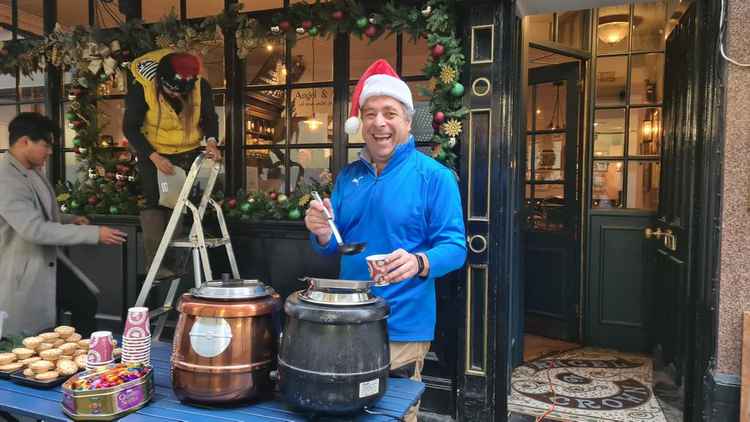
column 376, row 265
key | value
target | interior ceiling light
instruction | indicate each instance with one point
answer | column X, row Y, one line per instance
column 613, row 28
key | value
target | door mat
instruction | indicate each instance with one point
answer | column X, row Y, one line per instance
column 586, row 385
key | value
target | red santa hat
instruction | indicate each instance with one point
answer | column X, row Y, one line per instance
column 378, row 80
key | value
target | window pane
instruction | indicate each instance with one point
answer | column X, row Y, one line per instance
column 362, row 53
column 32, row 87
column 306, row 165
column 314, row 56
column 7, row 89
column 549, row 160
column 312, row 116
column 72, row 12
column 213, row 65
column 113, row 111
column 7, row 113
column 549, row 192
column 251, row 6
column 645, row 131
column 573, row 29
column 265, row 66
column 265, row 119
column 611, row 80
column 609, row 133
column 352, row 154
column 68, row 133
column 30, row 18
column 647, row 78
column 607, row 184
column 114, row 85
column 415, row 56
column 219, row 106
column 540, row 28
column 264, row 170
column 421, row 125
column 107, row 14
column 612, row 30
column 155, row 10
column 643, row 185
column 648, row 26
column 72, row 167
column 35, row 107
column 550, row 105
column 201, row 8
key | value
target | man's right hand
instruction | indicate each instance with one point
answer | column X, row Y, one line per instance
column 110, row 236
column 162, row 163
column 317, row 222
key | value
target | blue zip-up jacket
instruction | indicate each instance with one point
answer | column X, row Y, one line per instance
column 413, row 204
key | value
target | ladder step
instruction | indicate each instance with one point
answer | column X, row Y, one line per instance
column 159, row 311
column 194, row 243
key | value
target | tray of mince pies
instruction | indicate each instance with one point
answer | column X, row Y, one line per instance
column 47, row 359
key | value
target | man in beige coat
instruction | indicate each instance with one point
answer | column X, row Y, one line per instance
column 31, row 228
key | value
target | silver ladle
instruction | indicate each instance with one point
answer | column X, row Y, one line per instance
column 346, row 249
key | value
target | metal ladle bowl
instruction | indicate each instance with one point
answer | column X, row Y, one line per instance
column 344, row 248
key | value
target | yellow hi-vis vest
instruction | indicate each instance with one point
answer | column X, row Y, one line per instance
column 165, row 133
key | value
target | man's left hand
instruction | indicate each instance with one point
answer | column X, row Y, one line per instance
column 80, row 221
column 212, row 151
column 399, row 266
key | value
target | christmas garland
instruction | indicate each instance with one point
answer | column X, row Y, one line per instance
column 99, row 58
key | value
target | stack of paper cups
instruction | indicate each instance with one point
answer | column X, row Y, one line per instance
column 100, row 350
column 136, row 340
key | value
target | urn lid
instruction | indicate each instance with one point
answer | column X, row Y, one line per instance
column 325, row 291
column 231, row 289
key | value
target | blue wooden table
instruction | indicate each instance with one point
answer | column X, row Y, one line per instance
column 164, row 406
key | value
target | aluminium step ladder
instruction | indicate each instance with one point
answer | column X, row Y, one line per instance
column 196, row 241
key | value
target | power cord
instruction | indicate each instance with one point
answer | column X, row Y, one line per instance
column 554, row 394
column 722, row 30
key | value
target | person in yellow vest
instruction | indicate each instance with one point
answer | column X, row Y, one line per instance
column 169, row 111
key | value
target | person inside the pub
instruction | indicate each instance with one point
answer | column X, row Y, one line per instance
column 402, row 203
column 31, row 229
column 169, row 110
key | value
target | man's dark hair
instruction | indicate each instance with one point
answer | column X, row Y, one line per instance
column 34, row 125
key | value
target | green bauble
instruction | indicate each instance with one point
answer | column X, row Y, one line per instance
column 457, row 90
column 362, row 23
column 76, row 142
column 245, row 207
column 295, row 214
column 114, row 210
column 70, row 116
column 74, row 204
column 313, row 31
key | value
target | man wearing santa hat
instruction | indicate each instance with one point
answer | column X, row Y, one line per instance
column 401, row 203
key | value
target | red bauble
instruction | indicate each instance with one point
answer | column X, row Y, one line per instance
column 109, row 175
column 439, row 118
column 231, row 203
column 337, row 15
column 307, row 24
column 273, row 195
column 437, row 51
column 371, row 31
column 285, row 26
column 93, row 200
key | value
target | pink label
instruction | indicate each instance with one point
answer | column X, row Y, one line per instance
column 129, row 397
column 69, row 402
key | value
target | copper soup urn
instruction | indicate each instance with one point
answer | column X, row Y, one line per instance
column 225, row 342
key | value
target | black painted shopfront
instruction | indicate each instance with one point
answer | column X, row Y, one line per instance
column 482, row 309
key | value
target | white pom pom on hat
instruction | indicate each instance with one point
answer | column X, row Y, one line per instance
column 378, row 80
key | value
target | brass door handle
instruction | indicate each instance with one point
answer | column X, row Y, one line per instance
column 667, row 236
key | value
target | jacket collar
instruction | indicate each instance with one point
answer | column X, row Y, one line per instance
column 400, row 154
column 48, row 207
column 13, row 161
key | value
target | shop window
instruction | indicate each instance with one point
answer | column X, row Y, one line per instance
column 32, row 88
column 6, row 115
column 313, row 59
column 30, row 18
column 71, row 13
column 266, row 65
column 541, row 28
column 628, row 115
column 107, row 14
column 362, row 52
column 213, row 66
column 308, row 165
column 155, row 10
column 203, row 8
column 7, row 88
column 573, row 29
column 257, row 5
column 415, row 52
column 265, row 140
column 613, row 29
column 112, row 112
column 312, row 116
